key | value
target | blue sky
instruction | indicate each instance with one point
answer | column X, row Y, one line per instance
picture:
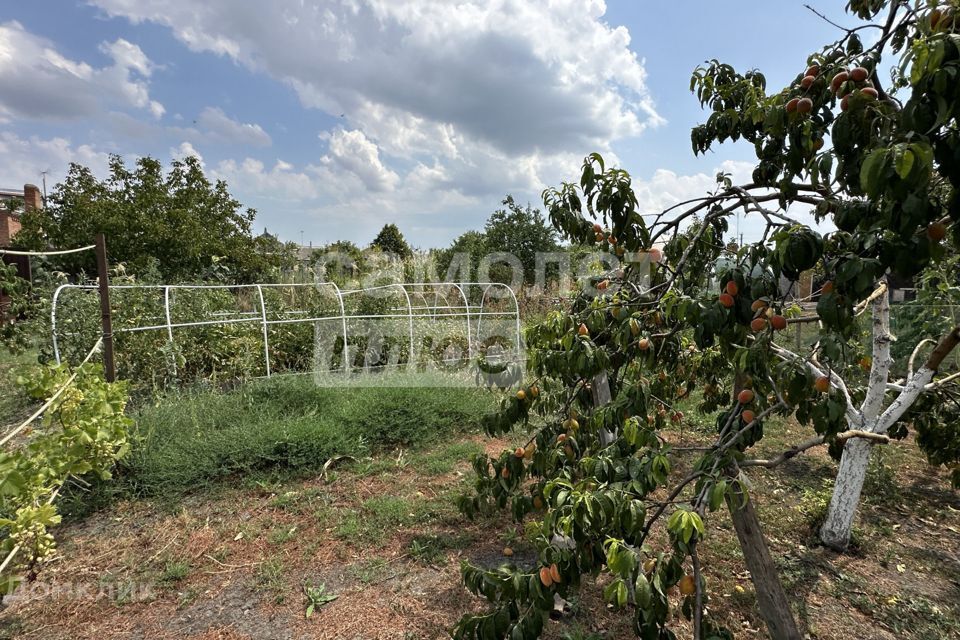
column 333, row 117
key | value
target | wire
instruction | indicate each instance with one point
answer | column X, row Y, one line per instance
column 45, row 253
column 48, row 403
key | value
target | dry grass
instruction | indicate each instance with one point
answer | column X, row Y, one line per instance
column 384, row 537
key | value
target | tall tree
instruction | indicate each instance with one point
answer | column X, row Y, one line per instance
column 463, row 256
column 177, row 221
column 521, row 232
column 390, row 240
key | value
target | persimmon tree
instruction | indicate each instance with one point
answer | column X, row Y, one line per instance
column 882, row 164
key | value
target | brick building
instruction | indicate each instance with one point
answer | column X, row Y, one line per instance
column 13, row 203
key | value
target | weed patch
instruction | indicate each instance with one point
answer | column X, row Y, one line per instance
column 191, row 439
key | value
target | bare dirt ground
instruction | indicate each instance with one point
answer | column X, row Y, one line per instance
column 384, row 537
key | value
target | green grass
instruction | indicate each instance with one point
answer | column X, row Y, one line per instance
column 430, row 548
column 445, row 458
column 382, row 516
column 173, row 572
column 269, row 578
column 191, row 439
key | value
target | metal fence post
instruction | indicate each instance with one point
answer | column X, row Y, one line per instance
column 411, row 362
column 166, row 309
column 105, row 320
column 266, row 340
column 466, row 310
column 53, row 321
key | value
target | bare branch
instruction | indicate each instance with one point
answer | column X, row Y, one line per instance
column 943, row 381
column 913, row 356
column 854, row 417
column 814, row 442
column 862, row 305
column 943, row 349
column 698, row 598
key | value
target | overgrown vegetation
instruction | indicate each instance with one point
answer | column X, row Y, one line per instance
column 188, row 439
column 170, row 226
column 80, row 436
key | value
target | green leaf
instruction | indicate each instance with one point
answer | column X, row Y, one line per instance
column 642, row 591
column 904, row 163
column 871, row 172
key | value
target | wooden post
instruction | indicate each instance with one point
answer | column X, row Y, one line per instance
column 103, row 276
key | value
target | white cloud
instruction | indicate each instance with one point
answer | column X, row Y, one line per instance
column 504, row 94
column 36, row 81
column 25, row 159
column 352, row 151
column 219, row 127
column 185, row 150
column 666, row 188
column 250, row 177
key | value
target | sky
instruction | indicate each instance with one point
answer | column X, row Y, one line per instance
column 334, row 117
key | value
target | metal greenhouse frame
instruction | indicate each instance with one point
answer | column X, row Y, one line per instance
column 440, row 307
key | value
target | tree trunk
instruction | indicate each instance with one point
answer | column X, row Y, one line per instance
column 771, row 599
column 835, row 532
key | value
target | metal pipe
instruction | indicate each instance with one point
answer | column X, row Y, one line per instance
column 53, row 321
column 266, row 340
column 166, row 309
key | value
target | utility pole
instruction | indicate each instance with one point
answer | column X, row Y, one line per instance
column 43, row 174
column 105, row 321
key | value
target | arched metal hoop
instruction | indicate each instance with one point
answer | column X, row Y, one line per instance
column 419, row 289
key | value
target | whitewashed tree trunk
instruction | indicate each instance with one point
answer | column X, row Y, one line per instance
column 836, row 530
column 855, row 458
column 871, row 417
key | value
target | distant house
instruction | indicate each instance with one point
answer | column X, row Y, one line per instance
column 13, row 203
column 305, row 254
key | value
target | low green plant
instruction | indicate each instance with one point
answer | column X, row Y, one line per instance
column 269, row 577
column 317, row 596
column 174, row 571
column 445, row 458
column 82, row 434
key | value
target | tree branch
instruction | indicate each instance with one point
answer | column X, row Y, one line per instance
column 913, row 355
column 814, row 442
column 698, row 598
column 880, row 368
column 918, row 383
column 854, row 417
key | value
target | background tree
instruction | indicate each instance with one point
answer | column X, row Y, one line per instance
column 521, row 232
column 595, row 479
column 465, row 252
column 391, row 241
column 177, row 222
